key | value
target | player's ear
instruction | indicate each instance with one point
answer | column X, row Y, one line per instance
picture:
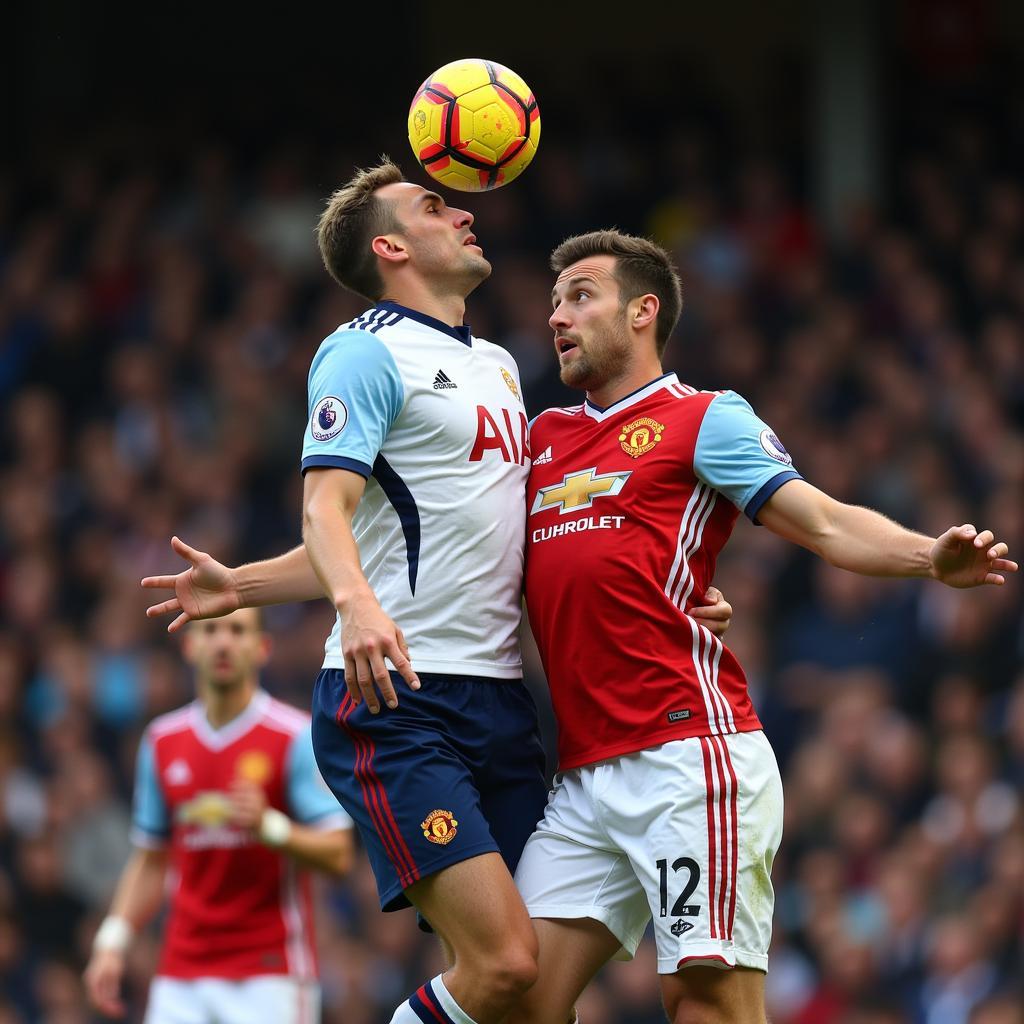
column 188, row 649
column 643, row 311
column 390, row 248
column 266, row 648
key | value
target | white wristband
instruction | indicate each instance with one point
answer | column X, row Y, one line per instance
column 113, row 935
column 275, row 827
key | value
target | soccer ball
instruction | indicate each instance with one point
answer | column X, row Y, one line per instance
column 474, row 125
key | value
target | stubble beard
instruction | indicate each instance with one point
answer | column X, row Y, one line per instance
column 604, row 359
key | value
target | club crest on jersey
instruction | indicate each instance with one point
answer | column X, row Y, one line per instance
column 510, row 381
column 773, row 447
column 579, row 490
column 208, row 809
column 328, row 419
column 254, row 766
column 440, row 827
column 640, row 436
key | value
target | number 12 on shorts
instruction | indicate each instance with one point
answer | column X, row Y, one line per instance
column 681, row 907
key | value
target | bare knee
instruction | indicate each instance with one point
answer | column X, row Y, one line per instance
column 507, row 975
column 709, row 996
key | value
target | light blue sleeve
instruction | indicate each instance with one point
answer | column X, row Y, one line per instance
column 309, row 799
column 739, row 454
column 355, row 395
column 151, row 822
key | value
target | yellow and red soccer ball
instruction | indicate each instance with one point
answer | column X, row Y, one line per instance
column 474, row 125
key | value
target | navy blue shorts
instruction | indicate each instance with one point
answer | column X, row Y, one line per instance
column 456, row 770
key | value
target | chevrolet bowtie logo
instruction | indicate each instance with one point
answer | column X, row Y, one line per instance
column 579, row 490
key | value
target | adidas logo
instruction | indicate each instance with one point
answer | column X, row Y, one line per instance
column 442, row 381
column 545, row 456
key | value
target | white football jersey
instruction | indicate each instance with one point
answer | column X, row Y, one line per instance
column 434, row 419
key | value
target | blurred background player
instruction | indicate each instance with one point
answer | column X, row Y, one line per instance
column 669, row 803
column 229, row 812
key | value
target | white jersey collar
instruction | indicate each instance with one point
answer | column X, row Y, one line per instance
column 218, row 739
column 595, row 412
column 461, row 333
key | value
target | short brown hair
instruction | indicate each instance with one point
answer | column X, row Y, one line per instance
column 641, row 266
column 353, row 218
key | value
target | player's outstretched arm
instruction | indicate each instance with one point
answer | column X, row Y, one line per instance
column 368, row 636
column 207, row 589
column 140, row 892
column 864, row 541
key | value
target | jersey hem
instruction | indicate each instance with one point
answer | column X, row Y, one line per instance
column 711, row 954
column 450, row 668
column 336, row 462
column 766, row 490
column 204, row 972
column 590, row 757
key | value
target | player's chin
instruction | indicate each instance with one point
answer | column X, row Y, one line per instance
column 480, row 264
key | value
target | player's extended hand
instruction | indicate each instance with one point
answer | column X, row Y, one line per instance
column 103, row 982
column 368, row 636
column 715, row 613
column 205, row 590
column 248, row 802
column 962, row 557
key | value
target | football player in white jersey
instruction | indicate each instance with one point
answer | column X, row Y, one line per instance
column 415, row 459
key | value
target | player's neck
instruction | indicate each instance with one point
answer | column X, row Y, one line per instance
column 225, row 704
column 632, row 379
column 450, row 309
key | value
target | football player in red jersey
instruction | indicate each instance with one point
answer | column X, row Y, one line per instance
column 668, row 804
column 227, row 796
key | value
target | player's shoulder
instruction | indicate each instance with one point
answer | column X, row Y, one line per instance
column 281, row 717
column 170, row 723
column 556, row 414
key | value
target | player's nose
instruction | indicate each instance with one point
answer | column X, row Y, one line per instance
column 463, row 218
column 558, row 319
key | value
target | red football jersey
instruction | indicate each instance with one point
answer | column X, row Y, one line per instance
column 237, row 907
column 622, row 539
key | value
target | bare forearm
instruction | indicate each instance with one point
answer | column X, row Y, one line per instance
column 334, row 554
column 866, row 542
column 140, row 890
column 329, row 851
column 288, row 577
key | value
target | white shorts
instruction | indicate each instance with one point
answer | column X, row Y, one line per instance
column 685, row 833
column 270, row 998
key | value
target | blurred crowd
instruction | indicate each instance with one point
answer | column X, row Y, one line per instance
column 156, row 326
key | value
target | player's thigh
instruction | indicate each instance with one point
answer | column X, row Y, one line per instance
column 270, row 997
column 713, row 995
column 510, row 773
column 571, row 870
column 571, row 952
column 409, row 790
column 701, row 821
column 476, row 908
column 176, row 1001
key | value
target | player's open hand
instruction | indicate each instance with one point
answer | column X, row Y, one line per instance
column 103, row 982
column 368, row 636
column 962, row 558
column 205, row 590
column 715, row 612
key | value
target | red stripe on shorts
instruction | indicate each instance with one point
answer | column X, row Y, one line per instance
column 376, row 800
column 712, row 855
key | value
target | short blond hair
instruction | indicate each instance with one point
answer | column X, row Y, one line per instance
column 641, row 266
column 354, row 216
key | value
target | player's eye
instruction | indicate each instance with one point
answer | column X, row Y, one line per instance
column 581, row 294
